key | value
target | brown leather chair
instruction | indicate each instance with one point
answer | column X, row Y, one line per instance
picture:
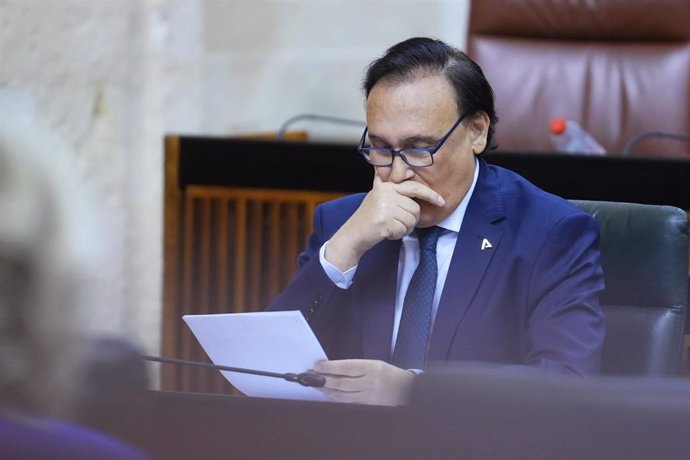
column 619, row 68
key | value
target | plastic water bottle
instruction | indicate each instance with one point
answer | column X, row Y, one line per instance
column 569, row 137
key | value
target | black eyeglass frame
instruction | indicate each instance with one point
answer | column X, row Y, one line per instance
column 366, row 151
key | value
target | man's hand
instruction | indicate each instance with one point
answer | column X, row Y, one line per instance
column 365, row 381
column 389, row 211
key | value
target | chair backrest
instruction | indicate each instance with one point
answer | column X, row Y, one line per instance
column 645, row 260
column 619, row 68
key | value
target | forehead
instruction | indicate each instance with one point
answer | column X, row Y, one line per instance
column 422, row 102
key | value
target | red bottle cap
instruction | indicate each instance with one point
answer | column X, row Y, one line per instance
column 557, row 125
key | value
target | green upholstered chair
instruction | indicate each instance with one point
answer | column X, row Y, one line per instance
column 645, row 260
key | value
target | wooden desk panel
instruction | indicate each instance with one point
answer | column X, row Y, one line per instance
column 227, row 250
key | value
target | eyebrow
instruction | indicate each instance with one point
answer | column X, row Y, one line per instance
column 410, row 140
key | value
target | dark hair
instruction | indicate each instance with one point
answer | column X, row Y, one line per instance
column 422, row 56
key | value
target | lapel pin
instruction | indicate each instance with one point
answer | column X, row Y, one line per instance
column 486, row 244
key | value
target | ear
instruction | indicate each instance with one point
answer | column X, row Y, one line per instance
column 479, row 129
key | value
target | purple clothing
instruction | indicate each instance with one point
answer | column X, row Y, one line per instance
column 23, row 437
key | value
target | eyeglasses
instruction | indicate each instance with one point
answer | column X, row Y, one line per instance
column 415, row 157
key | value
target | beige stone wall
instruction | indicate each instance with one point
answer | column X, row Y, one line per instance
column 110, row 77
column 286, row 57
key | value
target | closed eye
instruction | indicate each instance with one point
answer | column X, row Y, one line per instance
column 377, row 142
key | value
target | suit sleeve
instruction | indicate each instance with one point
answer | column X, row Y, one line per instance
column 311, row 291
column 565, row 327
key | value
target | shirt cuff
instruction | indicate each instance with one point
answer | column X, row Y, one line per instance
column 340, row 279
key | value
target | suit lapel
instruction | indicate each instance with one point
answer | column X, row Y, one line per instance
column 478, row 240
column 379, row 267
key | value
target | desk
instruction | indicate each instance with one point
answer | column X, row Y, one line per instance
column 197, row 426
column 475, row 414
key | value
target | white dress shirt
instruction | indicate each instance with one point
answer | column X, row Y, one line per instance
column 409, row 259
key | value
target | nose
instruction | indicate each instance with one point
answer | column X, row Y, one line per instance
column 399, row 171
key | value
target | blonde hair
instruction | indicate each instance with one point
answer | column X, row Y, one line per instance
column 47, row 249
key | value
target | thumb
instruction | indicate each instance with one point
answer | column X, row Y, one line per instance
column 377, row 180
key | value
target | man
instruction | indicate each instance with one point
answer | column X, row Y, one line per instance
column 516, row 273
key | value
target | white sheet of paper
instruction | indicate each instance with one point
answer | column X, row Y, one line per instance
column 279, row 341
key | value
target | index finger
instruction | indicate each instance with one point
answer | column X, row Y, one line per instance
column 413, row 189
column 342, row 367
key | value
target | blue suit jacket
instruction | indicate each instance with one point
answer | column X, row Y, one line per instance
column 532, row 298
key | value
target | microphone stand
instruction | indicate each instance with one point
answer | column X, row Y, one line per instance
column 320, row 118
column 307, row 379
column 627, row 151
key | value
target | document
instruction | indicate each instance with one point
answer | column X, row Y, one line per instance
column 279, row 342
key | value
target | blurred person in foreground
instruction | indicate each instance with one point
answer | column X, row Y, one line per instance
column 447, row 258
column 47, row 249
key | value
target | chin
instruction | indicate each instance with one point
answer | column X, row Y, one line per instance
column 426, row 220
column 430, row 215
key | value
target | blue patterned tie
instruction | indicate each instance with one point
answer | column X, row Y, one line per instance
column 415, row 323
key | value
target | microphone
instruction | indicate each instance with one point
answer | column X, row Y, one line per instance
column 307, row 379
column 627, row 151
column 312, row 117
